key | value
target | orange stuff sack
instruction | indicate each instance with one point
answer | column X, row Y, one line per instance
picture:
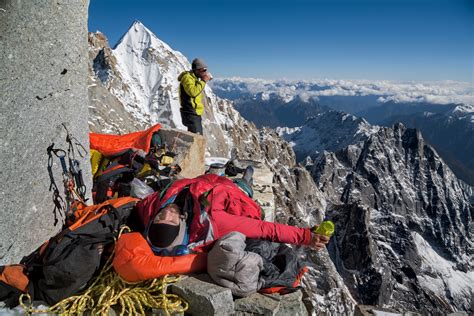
column 13, row 283
column 135, row 261
column 113, row 145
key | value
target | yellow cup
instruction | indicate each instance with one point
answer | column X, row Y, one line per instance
column 326, row 228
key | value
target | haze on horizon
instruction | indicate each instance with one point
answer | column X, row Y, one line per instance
column 417, row 40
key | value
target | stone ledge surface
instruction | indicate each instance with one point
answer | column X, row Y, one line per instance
column 203, row 296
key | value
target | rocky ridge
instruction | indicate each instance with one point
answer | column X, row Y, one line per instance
column 450, row 132
column 327, row 131
column 403, row 223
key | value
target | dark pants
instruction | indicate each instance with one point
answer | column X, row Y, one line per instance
column 192, row 121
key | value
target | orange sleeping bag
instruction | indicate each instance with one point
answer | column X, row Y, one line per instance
column 135, row 261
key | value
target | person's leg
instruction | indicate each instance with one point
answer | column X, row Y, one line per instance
column 199, row 124
column 195, row 124
column 185, row 119
column 192, row 121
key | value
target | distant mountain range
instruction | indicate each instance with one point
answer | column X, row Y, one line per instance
column 273, row 111
column 429, row 107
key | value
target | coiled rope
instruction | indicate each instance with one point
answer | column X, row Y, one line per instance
column 109, row 290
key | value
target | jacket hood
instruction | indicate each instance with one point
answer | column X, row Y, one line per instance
column 181, row 75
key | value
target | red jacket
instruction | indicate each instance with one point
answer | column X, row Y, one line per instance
column 227, row 209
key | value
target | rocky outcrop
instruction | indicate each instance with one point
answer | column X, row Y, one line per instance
column 44, row 84
column 403, row 223
column 189, row 150
column 450, row 133
column 203, row 296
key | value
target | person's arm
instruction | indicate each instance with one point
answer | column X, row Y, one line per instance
column 191, row 86
column 225, row 223
column 135, row 261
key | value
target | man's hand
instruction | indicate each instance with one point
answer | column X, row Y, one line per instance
column 318, row 242
column 206, row 77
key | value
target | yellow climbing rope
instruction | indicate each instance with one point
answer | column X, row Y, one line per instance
column 109, row 290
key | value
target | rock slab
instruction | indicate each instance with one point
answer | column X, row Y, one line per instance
column 271, row 304
column 204, row 297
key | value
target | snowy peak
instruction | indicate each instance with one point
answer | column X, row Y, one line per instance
column 464, row 108
column 144, row 76
column 140, row 74
column 464, row 112
column 330, row 131
column 139, row 38
column 137, row 33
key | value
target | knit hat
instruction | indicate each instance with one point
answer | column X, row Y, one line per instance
column 167, row 235
column 198, row 64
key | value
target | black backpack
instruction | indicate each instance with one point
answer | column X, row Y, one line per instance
column 64, row 265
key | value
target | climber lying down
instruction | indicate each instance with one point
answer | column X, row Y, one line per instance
column 182, row 224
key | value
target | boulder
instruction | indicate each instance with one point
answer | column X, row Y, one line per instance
column 189, row 148
column 203, row 296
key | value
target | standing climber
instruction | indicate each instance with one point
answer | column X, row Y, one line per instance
column 192, row 96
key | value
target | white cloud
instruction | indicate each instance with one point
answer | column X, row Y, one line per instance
column 440, row 92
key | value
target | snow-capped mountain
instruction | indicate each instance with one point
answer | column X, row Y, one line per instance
column 441, row 110
column 272, row 110
column 140, row 75
column 463, row 110
column 328, row 131
column 403, row 223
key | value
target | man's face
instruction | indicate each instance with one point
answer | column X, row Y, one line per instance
column 201, row 72
column 169, row 215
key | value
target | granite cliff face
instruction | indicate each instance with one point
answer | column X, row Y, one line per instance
column 43, row 82
column 403, row 223
column 451, row 133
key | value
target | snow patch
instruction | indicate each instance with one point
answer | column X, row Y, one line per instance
column 439, row 273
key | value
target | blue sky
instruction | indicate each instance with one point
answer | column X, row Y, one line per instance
column 376, row 40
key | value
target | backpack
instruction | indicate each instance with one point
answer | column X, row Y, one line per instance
column 66, row 263
column 113, row 174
